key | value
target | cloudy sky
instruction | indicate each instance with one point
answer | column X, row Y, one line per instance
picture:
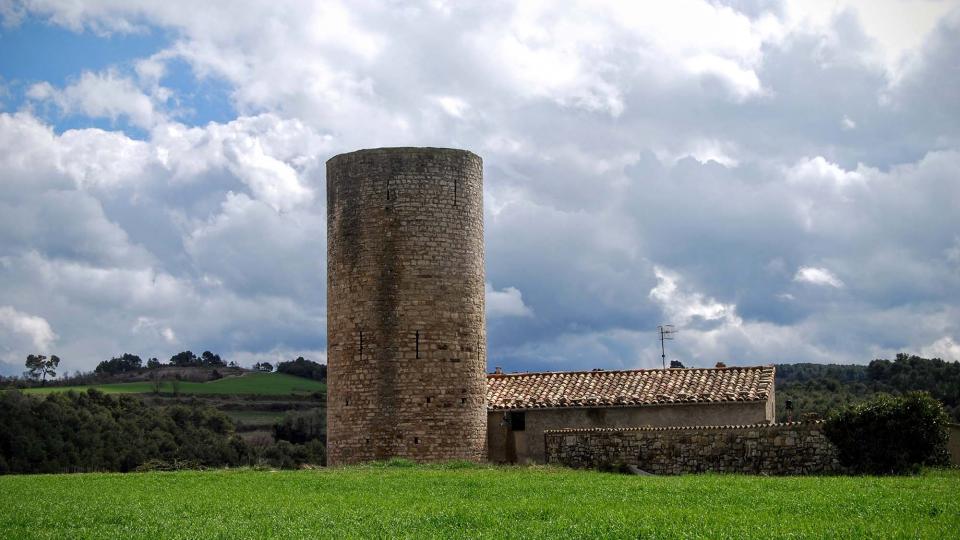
column 779, row 180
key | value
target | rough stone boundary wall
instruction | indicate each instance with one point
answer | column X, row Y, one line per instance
column 953, row 444
column 776, row 449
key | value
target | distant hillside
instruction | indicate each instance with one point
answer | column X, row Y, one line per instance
column 270, row 384
column 819, row 388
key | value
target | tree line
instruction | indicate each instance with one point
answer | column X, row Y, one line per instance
column 127, row 362
column 818, row 389
column 93, row 431
column 301, row 367
column 42, row 370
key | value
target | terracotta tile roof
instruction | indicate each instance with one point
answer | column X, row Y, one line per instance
column 815, row 424
column 628, row 388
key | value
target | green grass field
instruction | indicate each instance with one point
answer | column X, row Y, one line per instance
column 474, row 502
column 271, row 384
column 256, row 418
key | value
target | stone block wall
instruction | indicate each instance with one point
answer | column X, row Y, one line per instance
column 775, row 449
column 406, row 329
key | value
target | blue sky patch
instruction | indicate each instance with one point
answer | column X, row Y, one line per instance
column 35, row 52
column 198, row 101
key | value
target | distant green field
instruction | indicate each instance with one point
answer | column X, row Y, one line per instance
column 256, row 418
column 271, row 384
column 474, row 502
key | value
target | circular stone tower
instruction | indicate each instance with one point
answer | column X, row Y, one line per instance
column 406, row 330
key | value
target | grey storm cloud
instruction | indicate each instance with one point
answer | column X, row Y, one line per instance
column 768, row 181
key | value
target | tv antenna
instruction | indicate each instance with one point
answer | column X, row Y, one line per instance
column 666, row 333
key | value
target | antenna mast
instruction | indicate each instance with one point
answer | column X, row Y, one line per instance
column 666, row 333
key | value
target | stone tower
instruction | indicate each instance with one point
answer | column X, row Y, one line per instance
column 406, row 328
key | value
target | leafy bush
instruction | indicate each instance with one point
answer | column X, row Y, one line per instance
column 890, row 435
column 285, row 455
column 299, row 427
column 300, row 438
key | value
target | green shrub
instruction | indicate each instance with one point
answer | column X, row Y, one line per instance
column 890, row 435
column 300, row 438
column 285, row 455
column 299, row 427
column 93, row 431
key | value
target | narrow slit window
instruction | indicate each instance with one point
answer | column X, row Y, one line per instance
column 418, row 344
column 360, row 346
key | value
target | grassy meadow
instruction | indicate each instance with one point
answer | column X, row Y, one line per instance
column 269, row 384
column 266, row 418
column 470, row 501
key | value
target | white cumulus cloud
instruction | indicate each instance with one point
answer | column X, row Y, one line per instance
column 37, row 329
column 102, row 95
column 817, row 276
column 643, row 161
column 507, row 302
column 820, row 170
column 681, row 307
column 945, row 348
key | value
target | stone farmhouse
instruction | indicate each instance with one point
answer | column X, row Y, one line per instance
column 407, row 337
column 522, row 406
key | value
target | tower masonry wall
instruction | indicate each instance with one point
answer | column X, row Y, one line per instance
column 406, row 328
